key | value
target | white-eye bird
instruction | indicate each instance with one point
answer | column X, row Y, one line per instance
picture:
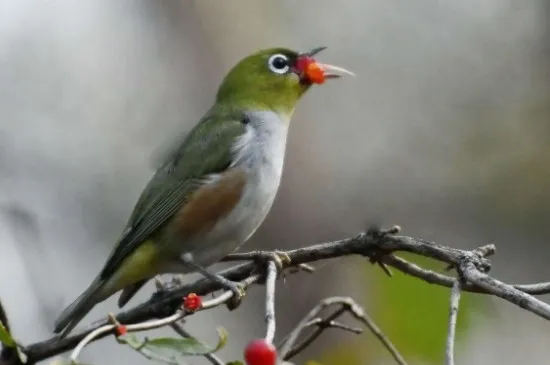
column 216, row 188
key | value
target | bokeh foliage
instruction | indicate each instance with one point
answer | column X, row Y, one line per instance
column 411, row 312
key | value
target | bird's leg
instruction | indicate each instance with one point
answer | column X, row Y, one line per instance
column 377, row 257
column 280, row 258
column 261, row 259
column 237, row 288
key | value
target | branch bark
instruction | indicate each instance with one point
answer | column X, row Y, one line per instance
column 270, row 301
column 453, row 314
column 375, row 247
column 290, row 347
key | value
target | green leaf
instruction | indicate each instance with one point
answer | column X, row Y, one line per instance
column 8, row 340
column 5, row 336
column 235, row 363
column 170, row 350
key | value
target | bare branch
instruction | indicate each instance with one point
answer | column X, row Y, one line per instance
column 181, row 331
column 148, row 325
column 333, row 324
column 297, row 348
column 359, row 313
column 433, row 277
column 289, row 347
column 270, row 301
column 97, row 333
column 321, row 325
column 453, row 314
column 379, row 247
column 505, row 291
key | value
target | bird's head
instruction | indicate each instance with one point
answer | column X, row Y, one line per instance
column 274, row 79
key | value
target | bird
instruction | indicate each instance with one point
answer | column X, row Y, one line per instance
column 216, row 187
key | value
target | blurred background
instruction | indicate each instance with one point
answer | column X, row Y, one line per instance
column 444, row 131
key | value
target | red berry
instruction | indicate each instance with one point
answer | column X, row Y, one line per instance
column 260, row 352
column 192, row 302
column 315, row 73
column 121, row 330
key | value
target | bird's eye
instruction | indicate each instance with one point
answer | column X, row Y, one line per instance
column 278, row 63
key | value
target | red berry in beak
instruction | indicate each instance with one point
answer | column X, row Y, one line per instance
column 315, row 73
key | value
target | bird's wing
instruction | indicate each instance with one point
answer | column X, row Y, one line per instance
column 205, row 151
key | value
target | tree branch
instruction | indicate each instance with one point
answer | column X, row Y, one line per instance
column 377, row 247
column 453, row 314
column 148, row 325
column 289, row 347
column 505, row 291
column 270, row 301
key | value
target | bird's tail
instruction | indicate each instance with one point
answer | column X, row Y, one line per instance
column 74, row 313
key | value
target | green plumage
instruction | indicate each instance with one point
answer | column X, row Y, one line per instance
column 251, row 85
column 207, row 149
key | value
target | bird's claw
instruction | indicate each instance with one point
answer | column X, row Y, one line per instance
column 238, row 294
column 279, row 258
column 378, row 259
column 377, row 256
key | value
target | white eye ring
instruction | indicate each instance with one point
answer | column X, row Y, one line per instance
column 278, row 63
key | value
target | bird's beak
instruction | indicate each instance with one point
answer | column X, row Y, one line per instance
column 334, row 72
column 314, row 51
column 316, row 72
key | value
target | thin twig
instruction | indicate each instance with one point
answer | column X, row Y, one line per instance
column 183, row 333
column 436, row 278
column 347, row 305
column 333, row 324
column 299, row 347
column 148, row 325
column 505, row 291
column 321, row 325
column 130, row 328
column 453, row 314
column 270, row 301
column 359, row 313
